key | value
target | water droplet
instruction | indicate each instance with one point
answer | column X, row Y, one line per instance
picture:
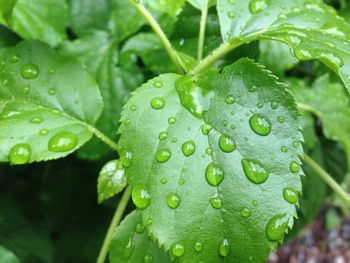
column 173, row 200
column 52, row 92
column 216, row 202
column 274, row 105
column 284, row 149
column 276, row 227
column 36, row 120
column 163, row 136
column 129, row 249
column 171, row 120
column 260, row 124
column 224, row 122
column 140, row 196
column 140, row 228
column 126, row 158
column 158, row 84
column 230, row 100
column 189, row 148
column 280, row 119
column 52, row 71
column 255, row 171
column 224, row 248
column 15, row 59
column 181, row 181
column 206, row 128
column 290, row 195
column 214, row 174
column 245, row 212
column 252, row 89
column 255, row 203
column 233, row 127
column 20, row 154
column 295, row 144
column 163, row 181
column 226, row 144
column 198, row 247
column 260, row 105
column 148, row 259
column 29, row 71
column 63, row 142
column 157, row 103
column 209, row 151
column 163, row 155
column 133, row 107
column 177, row 250
column 25, row 90
column 231, row 15
column 294, row 167
column 44, row 132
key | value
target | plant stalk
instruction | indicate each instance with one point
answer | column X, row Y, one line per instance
column 102, row 137
column 115, row 221
column 160, row 33
column 203, row 24
column 328, row 179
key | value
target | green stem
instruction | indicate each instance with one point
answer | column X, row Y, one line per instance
column 202, row 30
column 160, row 33
column 328, row 179
column 216, row 55
column 306, row 108
column 115, row 221
column 102, row 137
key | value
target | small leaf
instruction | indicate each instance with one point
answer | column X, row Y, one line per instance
column 199, row 168
column 50, row 16
column 111, row 180
column 47, row 104
column 312, row 29
column 7, row 256
column 130, row 243
column 170, row 7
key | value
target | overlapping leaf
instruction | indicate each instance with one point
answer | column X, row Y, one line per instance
column 6, row 256
column 312, row 29
column 47, row 102
column 220, row 188
column 130, row 243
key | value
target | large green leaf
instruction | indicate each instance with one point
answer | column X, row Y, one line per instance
column 311, row 28
column 47, row 104
column 170, row 7
column 7, row 256
column 130, row 243
column 40, row 20
column 330, row 102
column 201, row 4
column 6, row 8
column 210, row 172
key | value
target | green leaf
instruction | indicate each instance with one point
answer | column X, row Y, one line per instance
column 7, row 38
column 50, row 16
column 170, row 7
column 130, row 243
column 47, row 104
column 312, row 29
column 6, row 8
column 111, row 180
column 199, row 166
column 201, row 4
column 6, row 256
column 330, row 102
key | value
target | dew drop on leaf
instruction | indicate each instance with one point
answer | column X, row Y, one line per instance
column 140, row 196
column 214, row 174
column 157, row 103
column 296, row 144
column 280, row 119
column 30, row 71
column 25, row 90
column 181, row 181
column 158, row 84
column 245, row 212
column 209, row 151
column 226, row 144
column 260, row 124
column 44, row 132
column 274, row 105
column 20, row 153
column 148, row 259
column 140, row 228
column 276, row 227
column 126, row 158
column 290, row 195
column 260, row 105
column 52, row 92
column 129, row 249
column 224, row 248
column 198, row 247
column 216, row 202
column 206, row 128
column 177, row 250
column 163, row 155
column 231, row 15
column 284, row 149
column 63, row 142
column 294, row 167
column 15, row 59
column 133, row 107
column 163, row 181
column 171, row 120
column 36, row 120
column 188, row 148
column 163, row 136
column 173, row 200
column 255, row 171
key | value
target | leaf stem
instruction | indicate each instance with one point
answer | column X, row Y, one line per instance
column 202, row 30
column 218, row 53
column 103, row 137
column 160, row 33
column 115, row 221
column 328, row 179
